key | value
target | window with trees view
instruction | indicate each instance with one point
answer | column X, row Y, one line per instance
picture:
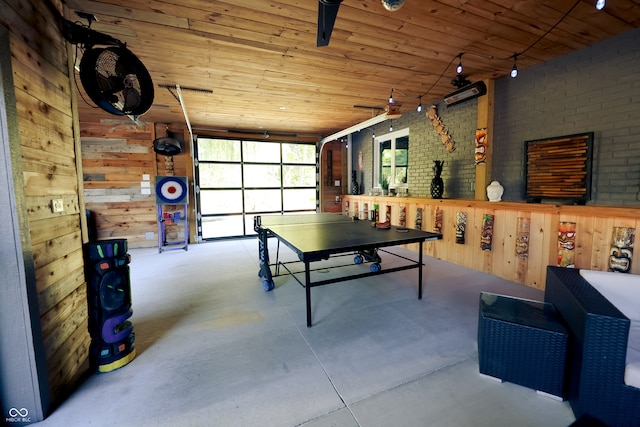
column 392, row 158
column 239, row 179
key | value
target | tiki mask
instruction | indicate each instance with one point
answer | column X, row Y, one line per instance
column 481, row 146
column 461, row 225
column 566, row 244
column 522, row 237
column 621, row 249
column 487, row 232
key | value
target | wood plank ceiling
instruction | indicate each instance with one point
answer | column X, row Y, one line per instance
column 259, row 57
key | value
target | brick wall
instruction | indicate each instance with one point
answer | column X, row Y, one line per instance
column 593, row 90
column 425, row 146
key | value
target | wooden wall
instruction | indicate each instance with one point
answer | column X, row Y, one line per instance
column 592, row 243
column 49, row 163
column 333, row 169
column 116, row 154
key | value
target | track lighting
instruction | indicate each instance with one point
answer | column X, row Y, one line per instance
column 419, row 105
column 459, row 68
column 514, row 70
column 600, row 4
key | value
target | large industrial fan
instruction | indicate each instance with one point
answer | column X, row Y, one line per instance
column 112, row 76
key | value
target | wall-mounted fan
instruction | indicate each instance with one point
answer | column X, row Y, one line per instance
column 167, row 145
column 112, row 76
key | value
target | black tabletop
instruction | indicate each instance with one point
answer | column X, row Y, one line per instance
column 315, row 240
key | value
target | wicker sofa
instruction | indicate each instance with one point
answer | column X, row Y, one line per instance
column 596, row 358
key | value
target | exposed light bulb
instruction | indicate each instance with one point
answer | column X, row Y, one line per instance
column 600, row 4
column 419, row 104
column 514, row 71
column 390, row 128
column 459, row 67
column 391, row 97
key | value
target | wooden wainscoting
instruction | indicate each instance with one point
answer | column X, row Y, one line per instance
column 593, row 232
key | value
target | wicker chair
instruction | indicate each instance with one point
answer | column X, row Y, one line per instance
column 597, row 350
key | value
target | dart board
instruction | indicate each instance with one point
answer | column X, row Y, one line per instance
column 172, row 190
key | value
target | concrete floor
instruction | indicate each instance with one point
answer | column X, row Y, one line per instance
column 214, row 349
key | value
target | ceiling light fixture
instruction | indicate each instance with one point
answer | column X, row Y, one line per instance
column 419, row 104
column 392, row 5
column 391, row 126
column 600, row 4
column 459, row 67
column 514, row 70
column 391, row 101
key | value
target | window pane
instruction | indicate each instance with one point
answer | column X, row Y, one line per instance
column 222, row 226
column 298, row 153
column 224, row 150
column 299, row 199
column 220, row 175
column 262, row 200
column 262, row 152
column 402, row 157
column 220, row 201
column 299, row 176
column 262, row 175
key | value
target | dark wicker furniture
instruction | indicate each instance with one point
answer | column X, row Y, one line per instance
column 597, row 350
column 523, row 342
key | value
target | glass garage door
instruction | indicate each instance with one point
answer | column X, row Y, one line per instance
column 238, row 179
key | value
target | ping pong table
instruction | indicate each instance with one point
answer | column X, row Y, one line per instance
column 317, row 237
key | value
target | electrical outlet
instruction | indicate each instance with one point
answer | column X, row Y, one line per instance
column 57, row 205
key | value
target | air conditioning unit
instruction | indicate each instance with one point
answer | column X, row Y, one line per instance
column 471, row 91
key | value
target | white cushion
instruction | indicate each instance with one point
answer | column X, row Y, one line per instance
column 623, row 291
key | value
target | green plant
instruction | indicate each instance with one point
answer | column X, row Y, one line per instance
column 384, row 184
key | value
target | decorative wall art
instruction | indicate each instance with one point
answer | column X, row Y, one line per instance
column 522, row 237
column 445, row 138
column 566, row 244
column 418, row 218
column 487, row 232
column 481, row 146
column 621, row 249
column 559, row 168
column 461, row 226
column 437, row 220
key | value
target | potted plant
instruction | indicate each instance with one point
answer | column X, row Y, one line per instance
column 385, row 186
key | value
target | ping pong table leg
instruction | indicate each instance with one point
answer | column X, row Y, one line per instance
column 307, row 288
column 263, row 254
column 420, row 271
